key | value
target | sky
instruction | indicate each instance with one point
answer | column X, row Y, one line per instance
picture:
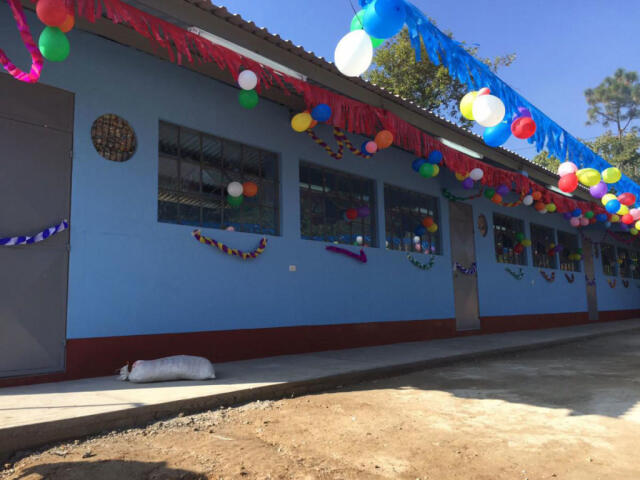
column 563, row 46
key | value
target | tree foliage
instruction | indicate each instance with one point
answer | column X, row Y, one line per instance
column 427, row 85
column 547, row 161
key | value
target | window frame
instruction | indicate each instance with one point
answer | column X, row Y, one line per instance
column 535, row 257
column 523, row 256
column 568, row 265
column 615, row 260
column 624, row 267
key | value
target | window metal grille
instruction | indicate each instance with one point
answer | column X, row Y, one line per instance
column 609, row 260
column 505, row 230
column 624, row 261
column 570, row 246
column 541, row 240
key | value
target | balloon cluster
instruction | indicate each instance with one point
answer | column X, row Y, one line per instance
column 468, row 179
column 352, row 213
column 429, row 167
column 486, row 109
column 248, row 97
column 521, row 244
column 427, row 224
column 53, row 42
column 496, row 194
column 379, row 20
column 237, row 191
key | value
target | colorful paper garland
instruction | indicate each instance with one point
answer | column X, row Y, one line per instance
column 473, row 268
column 612, row 283
column 420, row 265
column 361, row 258
column 625, row 283
column 36, row 57
column 231, row 251
column 570, row 277
column 341, row 140
column 519, row 275
column 590, row 283
column 38, row 237
column 549, row 278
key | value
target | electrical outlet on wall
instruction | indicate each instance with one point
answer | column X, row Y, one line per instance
column 292, row 268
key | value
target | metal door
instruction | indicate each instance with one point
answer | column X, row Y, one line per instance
column 589, row 270
column 463, row 251
column 36, row 124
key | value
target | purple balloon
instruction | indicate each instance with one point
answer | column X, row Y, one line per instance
column 503, row 190
column 524, row 112
column 468, row 183
column 567, row 215
column 364, row 211
column 624, row 227
column 599, row 190
column 559, row 248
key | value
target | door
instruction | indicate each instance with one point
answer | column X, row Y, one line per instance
column 36, row 124
column 589, row 270
column 463, row 252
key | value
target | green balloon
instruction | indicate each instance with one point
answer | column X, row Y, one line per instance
column 356, row 24
column 248, row 99
column 53, row 44
column 520, row 236
column 235, row 201
column 489, row 193
column 589, row 214
column 427, row 170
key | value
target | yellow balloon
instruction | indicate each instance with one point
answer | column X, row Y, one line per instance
column 526, row 242
column 611, row 175
column 638, row 225
column 466, row 105
column 301, row 122
column 623, row 210
column 436, row 171
column 588, row 176
column 551, row 207
column 633, row 231
column 461, row 176
column 433, row 228
column 607, row 198
column 614, row 219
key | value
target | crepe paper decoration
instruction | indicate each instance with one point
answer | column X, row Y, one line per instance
column 570, row 277
column 341, row 140
column 38, row 237
column 549, row 278
column 473, row 268
column 519, row 275
column 590, row 282
column 620, row 238
column 361, row 258
column 468, row 70
column 625, row 283
column 420, row 265
column 36, row 57
column 454, row 198
column 612, row 283
column 231, row 251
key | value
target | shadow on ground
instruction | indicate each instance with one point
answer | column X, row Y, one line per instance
column 108, row 470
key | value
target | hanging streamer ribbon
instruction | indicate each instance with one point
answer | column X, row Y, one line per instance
column 36, row 57
column 612, row 283
column 570, row 277
column 450, row 196
column 517, row 275
column 361, row 258
column 473, row 268
column 38, row 237
column 341, row 140
column 590, row 282
column 420, row 265
column 230, row 251
column 625, row 283
column 549, row 278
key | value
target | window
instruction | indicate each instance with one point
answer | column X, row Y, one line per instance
column 336, row 206
column 505, row 230
column 404, row 212
column 541, row 240
column 194, row 171
column 624, row 260
column 635, row 265
column 569, row 243
column 609, row 262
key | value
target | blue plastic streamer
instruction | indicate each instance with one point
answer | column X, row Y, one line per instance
column 462, row 66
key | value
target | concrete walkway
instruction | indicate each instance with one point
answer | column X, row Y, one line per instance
column 33, row 415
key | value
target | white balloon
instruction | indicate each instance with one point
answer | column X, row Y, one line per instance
column 635, row 213
column 247, row 80
column 527, row 200
column 354, row 53
column 359, row 240
column 488, row 110
column 416, row 239
column 476, row 174
column 566, row 168
column 235, row 189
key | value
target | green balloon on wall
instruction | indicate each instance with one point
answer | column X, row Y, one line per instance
column 53, row 44
column 235, row 201
column 248, row 99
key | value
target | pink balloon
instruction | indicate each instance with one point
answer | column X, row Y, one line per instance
column 371, row 147
column 575, row 222
column 635, row 213
column 584, row 221
column 566, row 168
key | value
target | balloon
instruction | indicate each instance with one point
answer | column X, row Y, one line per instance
column 627, row 219
column 467, row 183
column 363, row 148
column 247, row 80
column 497, row 135
column 489, row 193
column 356, row 24
column 567, row 215
column 576, row 213
column 436, row 170
column 540, row 206
column 527, row 200
column 52, row 13
column 384, row 18
column 589, row 177
column 524, row 112
column 433, row 228
column 359, row 240
column 627, row 199
column 611, row 175
column 371, row 147
column 523, row 127
column 488, row 110
column 633, row 231
column 584, row 221
column 351, row 214
column 551, row 207
column 417, row 163
column 466, row 105
column 235, row 189
column 503, row 189
column 435, row 157
column 638, row 225
column 526, row 242
column 614, row 218
column 68, row 23
column 484, row 91
column 601, row 217
column 301, row 122
column 476, row 174
column 416, row 241
column 599, row 190
column 427, row 170
column 566, row 168
column 589, row 214
column 575, row 221
column 235, row 201
column 420, row 230
column 354, row 53
column 230, row 228
column 568, row 183
column 623, row 210
column 635, row 213
column 607, row 198
column 427, row 221
column 536, row 195
column 248, row 99
column 364, row 211
column 321, row 112
column 518, row 249
column 53, row 44
column 612, row 206
column 250, row 189
column 384, row 139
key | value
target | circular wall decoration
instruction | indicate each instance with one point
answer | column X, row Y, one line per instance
column 113, row 138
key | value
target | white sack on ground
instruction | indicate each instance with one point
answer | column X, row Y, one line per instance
column 178, row 367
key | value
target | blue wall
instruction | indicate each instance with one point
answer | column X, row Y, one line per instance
column 130, row 274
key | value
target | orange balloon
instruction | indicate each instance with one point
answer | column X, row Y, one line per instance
column 427, row 221
column 68, row 24
column 313, row 123
column 536, row 195
column 540, row 206
column 384, row 139
column 249, row 189
column 497, row 198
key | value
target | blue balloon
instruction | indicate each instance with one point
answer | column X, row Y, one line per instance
column 612, row 206
column 384, row 18
column 498, row 135
column 576, row 213
column 363, row 148
column 602, row 217
column 435, row 157
column 321, row 113
column 420, row 230
column 417, row 163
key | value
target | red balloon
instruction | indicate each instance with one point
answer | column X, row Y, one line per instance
column 519, row 248
column 568, row 183
column 523, row 127
column 627, row 219
column 352, row 214
column 627, row 199
column 52, row 13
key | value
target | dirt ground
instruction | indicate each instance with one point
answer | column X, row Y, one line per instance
column 568, row 412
